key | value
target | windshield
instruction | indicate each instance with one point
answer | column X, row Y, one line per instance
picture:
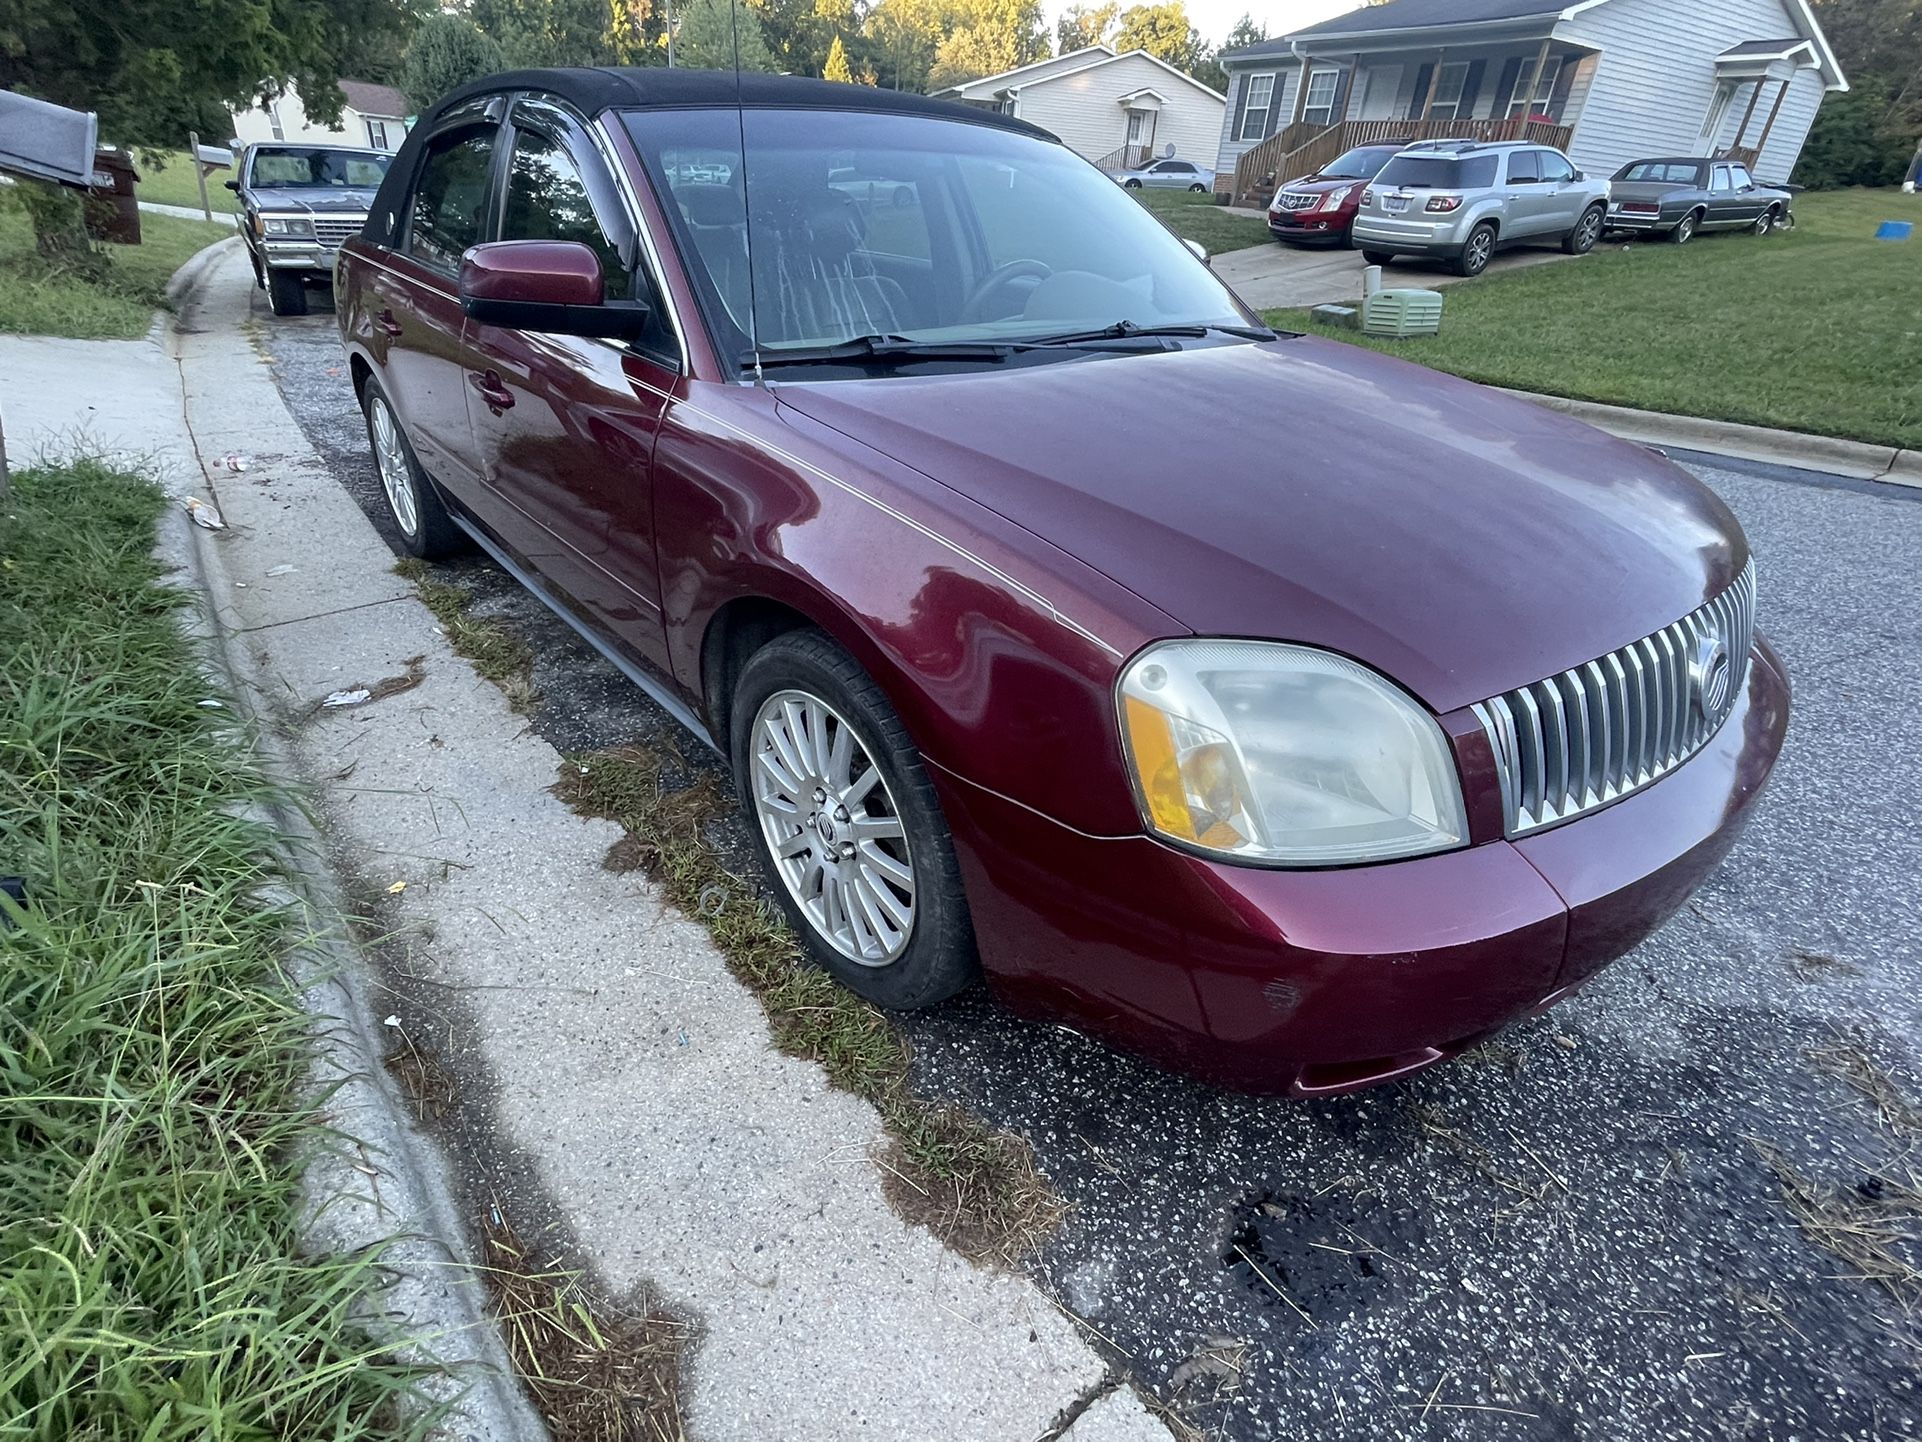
column 303, row 167
column 874, row 224
column 1362, row 163
column 1665, row 171
column 1431, row 172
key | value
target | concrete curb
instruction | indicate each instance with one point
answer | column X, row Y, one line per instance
column 383, row 1181
column 1855, row 459
column 184, row 281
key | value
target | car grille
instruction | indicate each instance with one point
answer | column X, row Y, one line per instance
column 1593, row 735
column 331, row 231
column 1286, row 201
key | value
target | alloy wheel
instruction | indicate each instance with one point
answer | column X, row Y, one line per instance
column 831, row 825
column 1481, row 245
column 390, row 458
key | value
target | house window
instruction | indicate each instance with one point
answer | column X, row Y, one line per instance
column 1449, row 85
column 377, row 134
column 1254, row 114
column 1718, row 110
column 1523, row 105
column 273, row 120
column 1320, row 109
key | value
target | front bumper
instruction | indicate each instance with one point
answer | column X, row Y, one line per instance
column 307, row 255
column 1311, row 227
column 1319, row 982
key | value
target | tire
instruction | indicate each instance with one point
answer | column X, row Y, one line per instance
column 900, row 946
column 1581, row 240
column 1765, row 222
column 1477, row 251
column 1378, row 257
column 286, row 292
column 426, row 530
column 1684, row 230
column 1197, row 190
column 1131, row 185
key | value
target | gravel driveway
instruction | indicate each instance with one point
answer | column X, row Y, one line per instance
column 1587, row 1228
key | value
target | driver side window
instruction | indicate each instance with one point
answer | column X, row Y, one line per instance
column 450, row 198
column 547, row 199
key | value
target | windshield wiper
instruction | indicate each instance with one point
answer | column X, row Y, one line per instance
column 886, row 348
column 1129, row 330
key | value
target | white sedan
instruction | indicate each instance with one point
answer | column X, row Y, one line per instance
column 1167, row 175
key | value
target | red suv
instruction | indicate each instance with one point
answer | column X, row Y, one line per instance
column 1320, row 209
column 1266, row 753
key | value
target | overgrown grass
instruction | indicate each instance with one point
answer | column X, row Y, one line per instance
column 153, row 1055
column 497, row 653
column 1814, row 330
column 975, row 1188
column 1197, row 217
column 37, row 300
column 170, row 181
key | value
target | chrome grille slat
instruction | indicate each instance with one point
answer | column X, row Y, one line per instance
column 330, row 232
column 1602, row 730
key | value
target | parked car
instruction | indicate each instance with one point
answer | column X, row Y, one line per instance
column 299, row 203
column 1298, row 767
column 1168, row 175
column 1680, row 198
column 1463, row 201
column 1320, row 209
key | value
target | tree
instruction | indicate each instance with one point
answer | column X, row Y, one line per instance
column 988, row 37
column 155, row 69
column 1080, row 26
column 446, row 53
column 1247, row 32
column 837, row 64
column 1868, row 136
column 706, row 37
column 904, row 35
column 637, row 32
column 1163, row 31
column 548, row 32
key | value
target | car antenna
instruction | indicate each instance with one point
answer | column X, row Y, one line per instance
column 747, row 210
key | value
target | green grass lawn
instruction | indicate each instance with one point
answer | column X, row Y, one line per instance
column 154, row 1058
column 37, row 301
column 1197, row 217
column 1818, row 329
column 174, row 185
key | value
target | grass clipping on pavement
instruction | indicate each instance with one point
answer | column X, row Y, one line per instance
column 153, row 1056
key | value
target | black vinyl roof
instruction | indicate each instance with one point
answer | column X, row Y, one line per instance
column 657, row 87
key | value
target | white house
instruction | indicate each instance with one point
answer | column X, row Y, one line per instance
column 1113, row 109
column 1608, row 80
column 374, row 115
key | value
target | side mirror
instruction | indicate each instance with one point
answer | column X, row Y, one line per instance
column 1579, row 177
column 1197, row 250
column 233, row 185
column 554, row 286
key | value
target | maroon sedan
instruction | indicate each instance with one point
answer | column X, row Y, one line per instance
column 1320, row 209
column 1298, row 746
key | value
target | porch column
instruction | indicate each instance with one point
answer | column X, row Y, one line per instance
column 1301, row 91
column 1741, row 130
column 1763, row 144
column 1434, row 83
column 1528, row 93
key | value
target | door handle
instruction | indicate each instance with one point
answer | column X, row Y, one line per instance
column 492, row 390
column 385, row 322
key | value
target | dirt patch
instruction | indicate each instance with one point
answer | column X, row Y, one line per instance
column 976, row 1189
column 498, row 654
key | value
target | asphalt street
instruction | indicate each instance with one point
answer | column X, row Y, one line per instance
column 1582, row 1229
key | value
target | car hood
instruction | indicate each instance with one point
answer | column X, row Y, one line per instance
column 1320, row 185
column 1459, row 540
column 333, row 200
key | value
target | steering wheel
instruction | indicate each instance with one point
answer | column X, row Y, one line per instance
column 998, row 280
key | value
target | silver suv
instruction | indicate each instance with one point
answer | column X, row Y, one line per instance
column 1462, row 201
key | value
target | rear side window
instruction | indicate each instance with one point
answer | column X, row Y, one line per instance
column 450, row 198
column 1431, row 172
column 1662, row 172
column 547, row 199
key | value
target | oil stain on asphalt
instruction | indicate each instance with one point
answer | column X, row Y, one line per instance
column 1573, row 1232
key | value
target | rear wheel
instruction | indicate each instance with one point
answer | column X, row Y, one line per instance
column 1479, row 250
column 1684, row 230
column 1378, row 257
column 286, row 292
column 847, row 825
column 1131, row 185
column 1198, row 189
column 1581, row 240
column 425, row 528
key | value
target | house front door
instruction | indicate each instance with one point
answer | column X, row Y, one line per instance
column 1141, row 129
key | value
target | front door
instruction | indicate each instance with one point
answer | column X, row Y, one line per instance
column 1527, row 205
column 1141, row 133
column 1728, row 207
column 565, row 425
column 1563, row 198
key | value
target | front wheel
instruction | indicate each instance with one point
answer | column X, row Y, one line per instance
column 847, row 825
column 1131, row 185
column 1479, row 250
column 286, row 292
column 1765, row 222
column 1378, row 257
column 1581, row 240
column 1197, row 190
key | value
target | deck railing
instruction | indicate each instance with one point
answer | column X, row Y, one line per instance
column 1304, row 149
column 1128, row 157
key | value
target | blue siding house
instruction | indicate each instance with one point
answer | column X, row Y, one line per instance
column 1607, row 80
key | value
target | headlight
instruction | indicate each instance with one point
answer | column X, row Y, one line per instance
column 1336, row 199
column 1284, row 755
column 289, row 225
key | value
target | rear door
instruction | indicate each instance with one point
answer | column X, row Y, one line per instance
column 566, row 425
column 414, row 311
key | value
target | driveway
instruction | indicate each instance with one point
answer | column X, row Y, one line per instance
column 1276, row 276
column 1604, row 1224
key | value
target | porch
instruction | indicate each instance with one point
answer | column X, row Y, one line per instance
column 1305, row 148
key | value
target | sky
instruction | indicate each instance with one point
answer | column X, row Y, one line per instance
column 1214, row 17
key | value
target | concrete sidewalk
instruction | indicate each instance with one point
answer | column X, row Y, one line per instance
column 1276, row 276
column 634, row 1095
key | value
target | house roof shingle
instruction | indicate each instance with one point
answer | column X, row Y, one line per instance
column 380, row 101
column 1770, row 48
column 1410, row 15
